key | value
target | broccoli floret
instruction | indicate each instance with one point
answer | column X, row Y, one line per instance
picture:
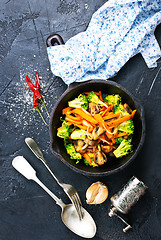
column 93, row 164
column 123, row 149
column 113, row 99
column 119, row 140
column 79, row 102
column 64, row 130
column 92, row 97
column 127, row 126
column 120, row 109
column 72, row 152
column 78, row 134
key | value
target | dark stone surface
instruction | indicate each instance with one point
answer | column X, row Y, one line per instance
column 26, row 211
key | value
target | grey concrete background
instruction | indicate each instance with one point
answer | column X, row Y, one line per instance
column 26, row 211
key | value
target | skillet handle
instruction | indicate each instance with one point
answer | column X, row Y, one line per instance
column 54, row 39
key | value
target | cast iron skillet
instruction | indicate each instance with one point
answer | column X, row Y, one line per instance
column 107, row 87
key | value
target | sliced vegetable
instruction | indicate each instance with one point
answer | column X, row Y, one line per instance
column 77, row 118
column 67, row 110
column 106, row 111
column 87, row 157
column 119, row 140
column 100, row 96
column 121, row 120
column 79, row 102
column 72, row 152
column 92, row 97
column 88, row 125
column 78, row 134
column 64, row 130
column 113, row 99
column 73, row 121
column 111, row 115
column 120, row 109
column 127, row 126
column 84, row 115
column 100, row 120
column 123, row 149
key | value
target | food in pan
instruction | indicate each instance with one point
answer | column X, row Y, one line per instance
column 96, row 128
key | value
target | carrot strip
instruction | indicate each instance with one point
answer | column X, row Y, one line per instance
column 107, row 110
column 77, row 118
column 104, row 138
column 103, row 109
column 87, row 157
column 120, row 120
column 77, row 125
column 66, row 110
column 73, row 121
column 99, row 119
column 102, row 123
column 111, row 115
column 85, row 115
column 133, row 113
column 88, row 125
column 122, row 134
column 100, row 96
column 89, row 93
column 104, row 112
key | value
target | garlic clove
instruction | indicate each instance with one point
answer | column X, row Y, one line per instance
column 97, row 193
column 92, row 192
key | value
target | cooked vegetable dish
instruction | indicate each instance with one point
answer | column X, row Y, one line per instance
column 96, row 128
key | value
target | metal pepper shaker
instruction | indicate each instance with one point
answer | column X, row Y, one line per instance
column 126, row 198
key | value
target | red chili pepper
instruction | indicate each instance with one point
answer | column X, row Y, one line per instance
column 37, row 84
column 35, row 101
column 31, row 85
column 37, row 80
column 36, row 96
column 33, row 88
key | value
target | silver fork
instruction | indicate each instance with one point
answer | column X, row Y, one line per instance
column 68, row 189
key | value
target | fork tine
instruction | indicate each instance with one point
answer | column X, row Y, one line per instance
column 77, row 199
column 77, row 206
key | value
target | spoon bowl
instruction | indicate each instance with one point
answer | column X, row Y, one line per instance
column 85, row 227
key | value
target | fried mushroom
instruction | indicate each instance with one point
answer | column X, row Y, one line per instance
column 127, row 108
column 93, row 108
column 91, row 143
column 106, row 148
column 80, row 146
column 100, row 158
column 97, row 132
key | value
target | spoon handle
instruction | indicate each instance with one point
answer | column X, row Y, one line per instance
column 38, row 153
column 57, row 200
column 23, row 167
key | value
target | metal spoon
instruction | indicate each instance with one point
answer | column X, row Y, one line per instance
column 85, row 227
column 68, row 188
